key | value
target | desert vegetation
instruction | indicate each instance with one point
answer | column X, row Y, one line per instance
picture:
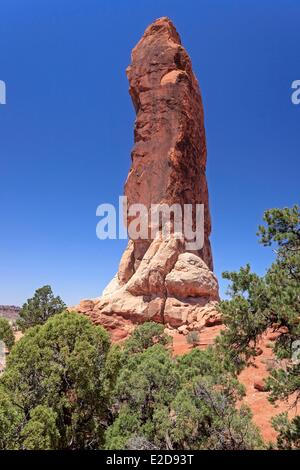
column 66, row 386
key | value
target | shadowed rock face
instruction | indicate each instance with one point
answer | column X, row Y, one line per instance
column 158, row 279
column 169, row 154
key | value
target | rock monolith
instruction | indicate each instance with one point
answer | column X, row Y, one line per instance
column 158, row 278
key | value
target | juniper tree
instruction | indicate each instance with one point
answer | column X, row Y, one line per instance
column 54, row 392
column 270, row 301
column 160, row 402
column 39, row 308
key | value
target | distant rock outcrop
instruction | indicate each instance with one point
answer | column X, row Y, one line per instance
column 159, row 279
column 11, row 312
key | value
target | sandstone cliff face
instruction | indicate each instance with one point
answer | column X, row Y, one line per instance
column 158, row 279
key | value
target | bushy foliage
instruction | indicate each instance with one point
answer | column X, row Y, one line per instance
column 55, row 386
column 145, row 336
column 288, row 432
column 41, row 430
column 185, row 403
column 271, row 301
column 39, row 308
column 10, row 422
column 6, row 333
column 66, row 387
column 193, row 338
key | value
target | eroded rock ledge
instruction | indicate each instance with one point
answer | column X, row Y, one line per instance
column 170, row 286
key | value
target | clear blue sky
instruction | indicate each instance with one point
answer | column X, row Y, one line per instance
column 67, row 129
